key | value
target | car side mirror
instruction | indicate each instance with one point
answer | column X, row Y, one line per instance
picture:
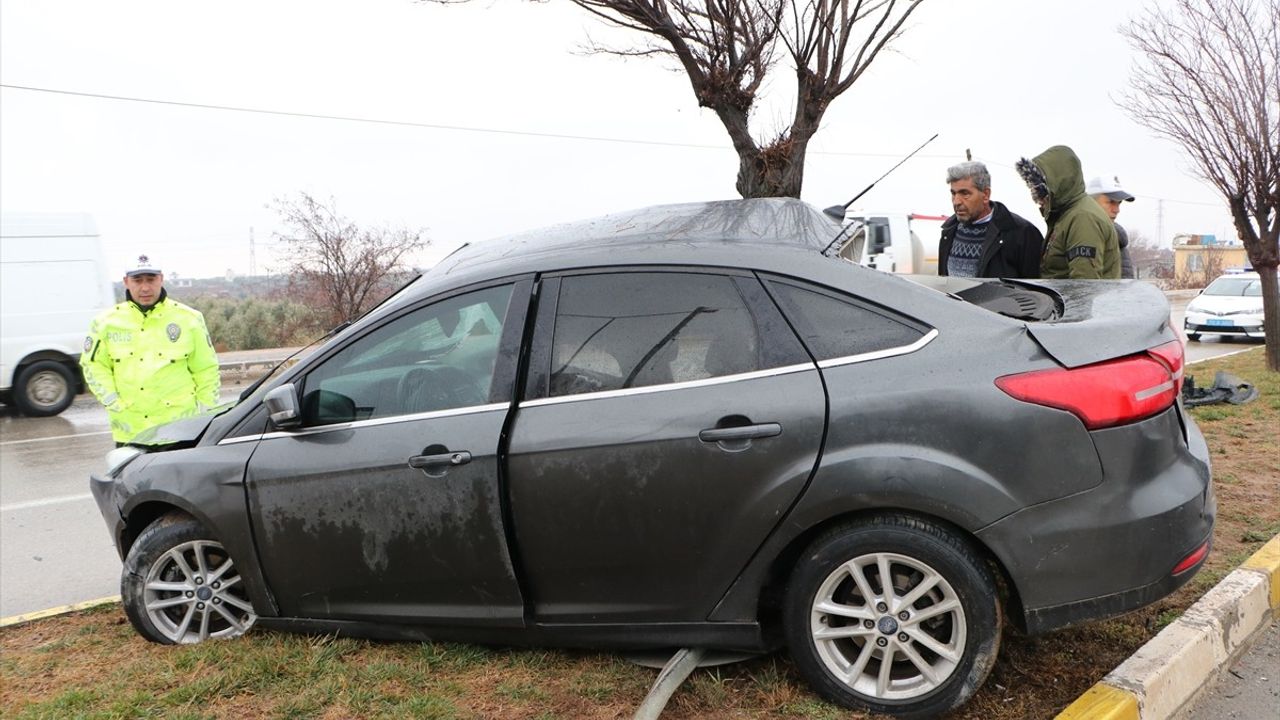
column 282, row 406
column 325, row 407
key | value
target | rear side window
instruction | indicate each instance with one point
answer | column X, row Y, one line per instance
column 635, row 329
column 838, row 327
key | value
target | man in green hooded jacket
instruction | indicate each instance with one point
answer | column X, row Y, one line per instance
column 1082, row 242
column 149, row 360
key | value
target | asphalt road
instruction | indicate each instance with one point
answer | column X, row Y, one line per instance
column 1250, row 689
column 54, row 546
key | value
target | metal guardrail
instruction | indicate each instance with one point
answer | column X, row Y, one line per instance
column 263, row 364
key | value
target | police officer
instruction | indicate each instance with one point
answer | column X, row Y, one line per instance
column 149, row 360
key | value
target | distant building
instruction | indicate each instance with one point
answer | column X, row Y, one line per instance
column 1203, row 257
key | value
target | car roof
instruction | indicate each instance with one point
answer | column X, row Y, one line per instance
column 697, row 233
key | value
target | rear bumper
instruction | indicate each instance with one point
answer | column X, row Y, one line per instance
column 1113, row 548
column 1044, row 619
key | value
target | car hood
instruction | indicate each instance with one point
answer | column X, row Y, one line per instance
column 179, row 433
column 1103, row 319
column 1224, row 304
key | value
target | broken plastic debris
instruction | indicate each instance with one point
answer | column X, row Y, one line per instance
column 1226, row 388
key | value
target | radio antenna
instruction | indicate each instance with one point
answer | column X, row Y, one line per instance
column 837, row 211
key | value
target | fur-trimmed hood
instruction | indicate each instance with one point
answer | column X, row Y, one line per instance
column 1063, row 177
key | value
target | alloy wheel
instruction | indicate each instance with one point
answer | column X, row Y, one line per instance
column 193, row 593
column 889, row 626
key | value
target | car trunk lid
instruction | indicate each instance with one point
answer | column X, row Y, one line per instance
column 1101, row 320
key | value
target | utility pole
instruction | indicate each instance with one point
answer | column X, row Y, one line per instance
column 1160, row 223
column 253, row 257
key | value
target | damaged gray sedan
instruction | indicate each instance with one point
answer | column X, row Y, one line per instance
column 689, row 426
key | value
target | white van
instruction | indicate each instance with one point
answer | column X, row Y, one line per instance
column 53, row 281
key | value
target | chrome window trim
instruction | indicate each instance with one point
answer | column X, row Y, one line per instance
column 879, row 354
column 373, row 422
column 664, row 387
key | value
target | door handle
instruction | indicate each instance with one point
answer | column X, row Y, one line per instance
column 746, row 432
column 446, row 460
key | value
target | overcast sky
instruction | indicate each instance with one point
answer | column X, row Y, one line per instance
column 508, row 126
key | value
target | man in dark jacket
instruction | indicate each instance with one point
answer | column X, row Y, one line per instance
column 982, row 238
column 1082, row 242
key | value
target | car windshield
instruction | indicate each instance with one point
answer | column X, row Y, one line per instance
column 1235, row 287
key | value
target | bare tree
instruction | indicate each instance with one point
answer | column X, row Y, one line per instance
column 1150, row 259
column 334, row 264
column 728, row 47
column 1209, row 80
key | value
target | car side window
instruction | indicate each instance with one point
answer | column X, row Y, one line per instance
column 634, row 329
column 836, row 327
column 438, row 357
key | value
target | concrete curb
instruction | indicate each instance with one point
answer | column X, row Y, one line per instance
column 42, row 614
column 1173, row 667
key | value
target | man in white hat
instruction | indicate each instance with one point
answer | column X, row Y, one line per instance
column 149, row 360
column 1109, row 194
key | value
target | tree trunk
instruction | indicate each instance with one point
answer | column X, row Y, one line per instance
column 777, row 169
column 1271, row 315
column 1261, row 246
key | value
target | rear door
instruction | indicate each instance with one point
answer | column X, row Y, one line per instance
column 386, row 503
column 670, row 420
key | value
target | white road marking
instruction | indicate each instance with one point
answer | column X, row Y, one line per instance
column 46, row 501
column 1223, row 355
column 55, row 437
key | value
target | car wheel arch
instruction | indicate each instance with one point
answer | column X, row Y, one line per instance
column 784, row 563
column 57, row 356
column 142, row 515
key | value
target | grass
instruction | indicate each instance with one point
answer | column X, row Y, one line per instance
column 92, row 665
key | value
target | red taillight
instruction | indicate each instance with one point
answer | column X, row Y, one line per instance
column 1171, row 354
column 1107, row 393
column 1191, row 560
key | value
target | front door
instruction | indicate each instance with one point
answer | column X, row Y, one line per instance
column 385, row 504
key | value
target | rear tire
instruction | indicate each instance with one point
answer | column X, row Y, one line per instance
column 1193, row 337
column 180, row 587
column 916, row 646
column 44, row 388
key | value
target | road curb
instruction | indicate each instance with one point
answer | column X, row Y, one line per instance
column 1169, row 671
column 62, row 610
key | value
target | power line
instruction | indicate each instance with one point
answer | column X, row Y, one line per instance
column 492, row 131
column 409, row 123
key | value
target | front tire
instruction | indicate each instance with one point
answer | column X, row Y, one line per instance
column 179, row 586
column 1193, row 337
column 44, row 388
column 895, row 615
